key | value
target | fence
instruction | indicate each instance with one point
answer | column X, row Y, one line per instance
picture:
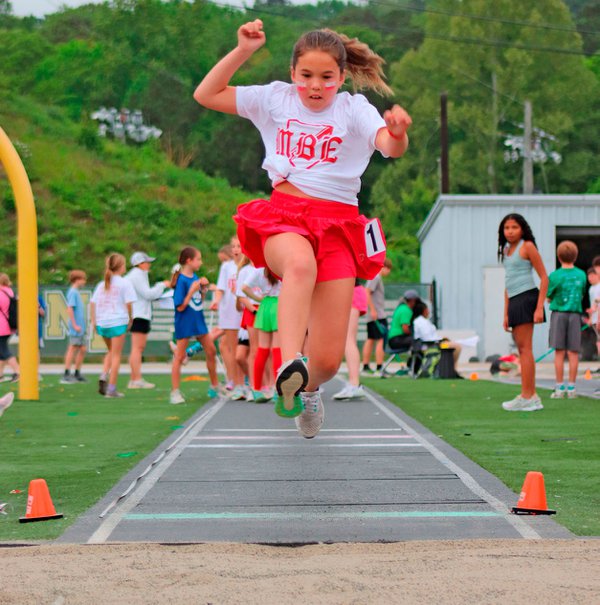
column 55, row 334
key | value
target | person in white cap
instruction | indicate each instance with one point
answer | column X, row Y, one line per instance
column 142, row 314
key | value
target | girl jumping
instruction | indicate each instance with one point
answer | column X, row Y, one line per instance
column 523, row 302
column 310, row 233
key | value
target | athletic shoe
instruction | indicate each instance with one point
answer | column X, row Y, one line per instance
column 238, row 394
column 80, row 378
column 213, row 392
column 558, row 393
column 102, row 384
column 367, row 372
column 176, row 397
column 249, row 393
column 310, row 421
column 520, row 404
column 229, row 385
column 67, row 379
column 140, row 384
column 6, row 402
column 350, row 392
column 292, row 377
column 262, row 396
column 14, row 378
column 113, row 394
column 571, row 393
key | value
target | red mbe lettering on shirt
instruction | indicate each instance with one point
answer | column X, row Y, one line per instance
column 310, row 144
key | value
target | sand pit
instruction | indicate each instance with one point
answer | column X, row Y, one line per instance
column 552, row 571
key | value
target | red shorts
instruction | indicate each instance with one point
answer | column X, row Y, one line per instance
column 345, row 243
column 248, row 317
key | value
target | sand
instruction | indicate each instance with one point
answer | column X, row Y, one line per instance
column 480, row 571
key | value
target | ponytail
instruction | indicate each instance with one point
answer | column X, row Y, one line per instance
column 271, row 277
column 188, row 253
column 112, row 264
column 364, row 66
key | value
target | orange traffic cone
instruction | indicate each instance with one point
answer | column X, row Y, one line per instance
column 532, row 500
column 587, row 375
column 39, row 503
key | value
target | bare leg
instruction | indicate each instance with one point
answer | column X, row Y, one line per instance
column 327, row 329
column 573, row 365
column 559, row 365
column 379, row 352
column 367, row 351
column 211, row 358
column 115, row 361
column 79, row 357
column 523, row 336
column 138, row 344
column 107, row 356
column 13, row 364
column 228, row 347
column 291, row 256
column 351, row 352
column 178, row 358
column 69, row 356
column 242, row 353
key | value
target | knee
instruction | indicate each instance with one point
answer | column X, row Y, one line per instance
column 301, row 269
column 328, row 368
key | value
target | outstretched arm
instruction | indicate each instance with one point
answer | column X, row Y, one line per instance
column 214, row 91
column 393, row 140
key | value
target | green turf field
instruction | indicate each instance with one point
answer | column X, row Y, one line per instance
column 82, row 444
column 562, row 440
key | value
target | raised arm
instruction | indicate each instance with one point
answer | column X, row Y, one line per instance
column 214, row 91
column 393, row 140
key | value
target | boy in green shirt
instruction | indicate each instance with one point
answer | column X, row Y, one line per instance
column 565, row 292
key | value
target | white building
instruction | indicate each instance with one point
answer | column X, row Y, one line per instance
column 459, row 242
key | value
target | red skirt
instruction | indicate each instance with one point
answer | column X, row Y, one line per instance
column 345, row 243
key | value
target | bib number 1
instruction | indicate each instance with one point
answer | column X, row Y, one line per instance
column 374, row 241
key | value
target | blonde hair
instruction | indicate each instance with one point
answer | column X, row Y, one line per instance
column 364, row 66
column 112, row 264
column 4, row 280
column 567, row 251
column 244, row 260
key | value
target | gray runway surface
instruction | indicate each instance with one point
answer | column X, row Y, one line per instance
column 239, row 473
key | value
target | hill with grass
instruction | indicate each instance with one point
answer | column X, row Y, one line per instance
column 95, row 196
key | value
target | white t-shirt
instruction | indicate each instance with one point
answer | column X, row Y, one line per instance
column 424, row 330
column 322, row 153
column 111, row 304
column 229, row 317
column 595, row 301
column 259, row 283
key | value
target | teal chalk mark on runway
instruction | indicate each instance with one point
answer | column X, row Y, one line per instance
column 340, row 515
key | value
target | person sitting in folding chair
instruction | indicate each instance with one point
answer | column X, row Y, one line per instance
column 428, row 339
column 399, row 336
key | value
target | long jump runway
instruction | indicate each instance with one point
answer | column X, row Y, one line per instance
column 239, row 473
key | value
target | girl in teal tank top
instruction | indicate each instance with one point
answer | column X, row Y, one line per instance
column 523, row 302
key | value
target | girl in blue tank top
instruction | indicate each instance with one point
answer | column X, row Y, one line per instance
column 523, row 301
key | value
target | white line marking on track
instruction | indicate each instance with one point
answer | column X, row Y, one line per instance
column 295, row 445
column 276, row 438
column 519, row 525
column 103, row 532
column 389, row 430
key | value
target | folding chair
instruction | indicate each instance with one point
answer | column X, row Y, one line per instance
column 394, row 354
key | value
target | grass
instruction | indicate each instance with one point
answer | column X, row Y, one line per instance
column 82, row 444
column 562, row 441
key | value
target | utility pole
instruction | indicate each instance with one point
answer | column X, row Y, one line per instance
column 527, row 147
column 445, row 176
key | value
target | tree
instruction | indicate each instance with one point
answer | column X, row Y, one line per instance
column 5, row 7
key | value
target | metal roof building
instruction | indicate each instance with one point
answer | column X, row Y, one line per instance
column 459, row 241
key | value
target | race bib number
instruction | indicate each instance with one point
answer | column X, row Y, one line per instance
column 374, row 241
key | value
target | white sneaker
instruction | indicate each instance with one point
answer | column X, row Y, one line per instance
column 249, row 394
column 558, row 393
column 140, row 384
column 350, row 392
column 238, row 394
column 571, row 393
column 310, row 421
column 520, row 404
column 6, row 402
column 176, row 397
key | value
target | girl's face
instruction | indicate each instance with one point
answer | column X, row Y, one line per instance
column 196, row 262
column 318, row 78
column 236, row 248
column 512, row 231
